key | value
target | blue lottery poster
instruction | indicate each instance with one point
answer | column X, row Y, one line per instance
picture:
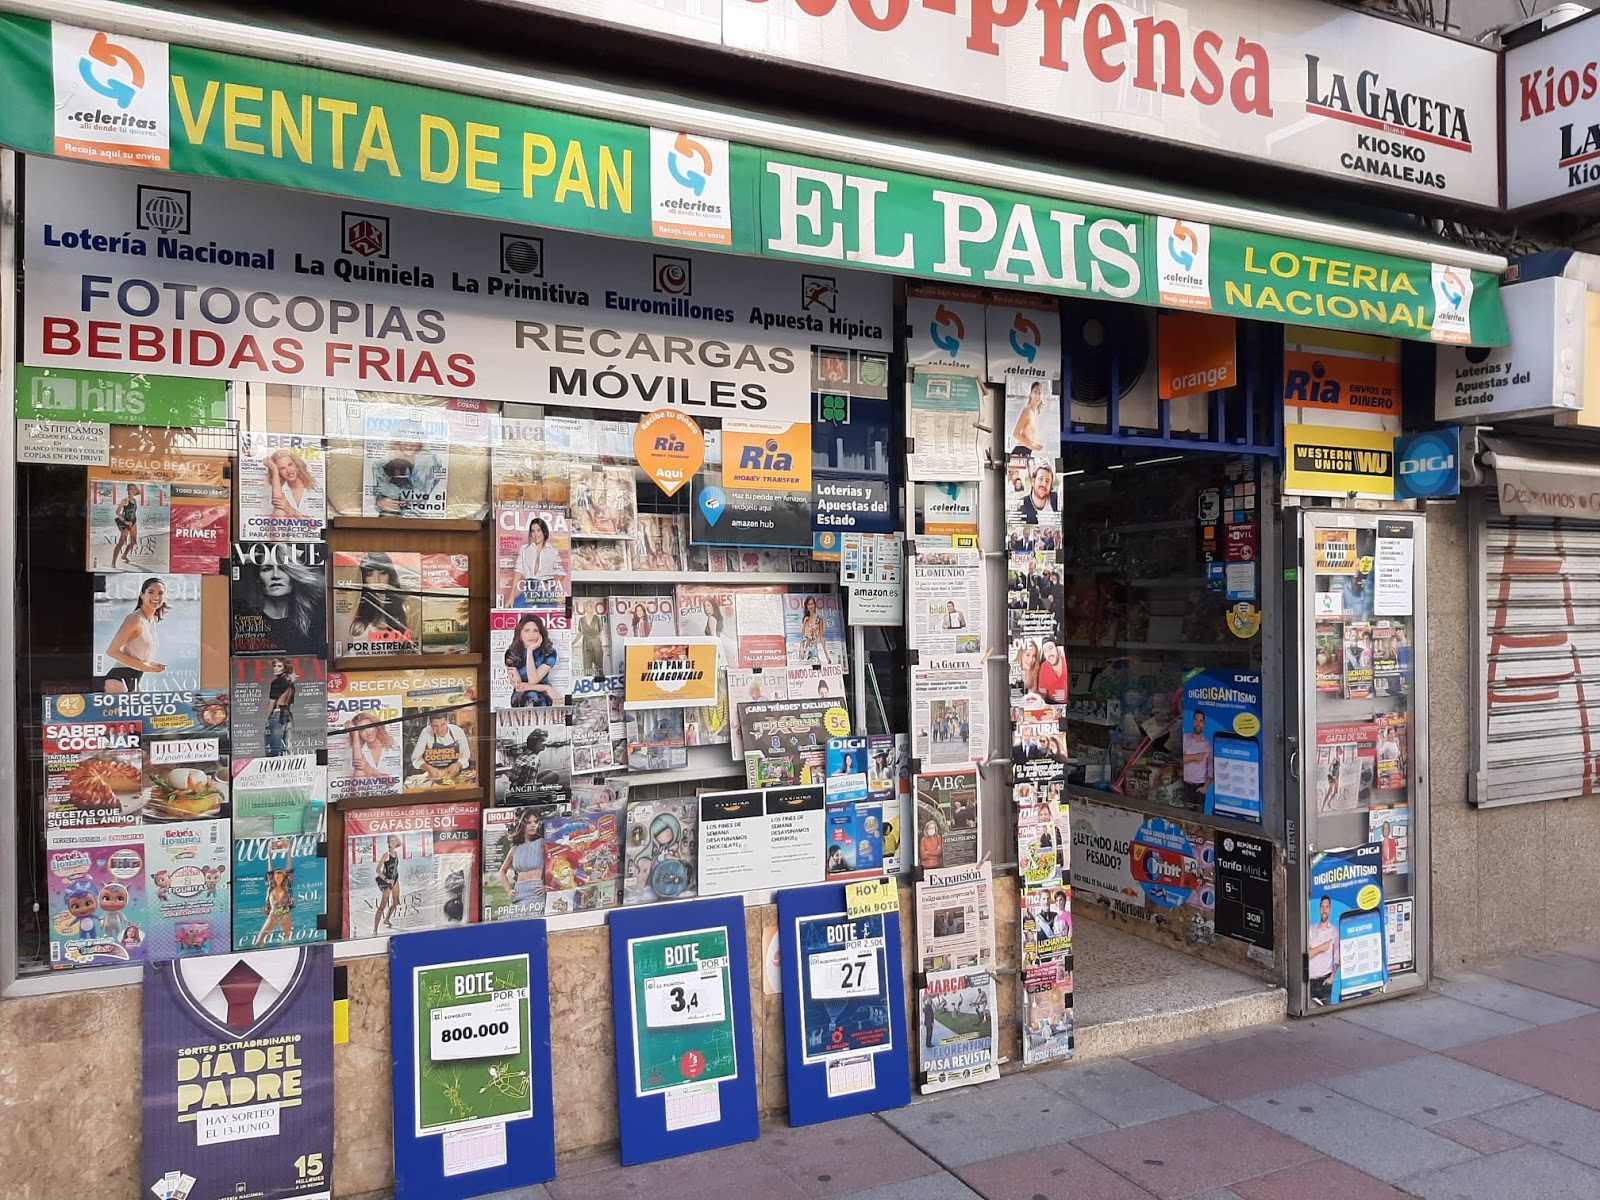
column 1222, row 742
column 844, row 1007
column 1346, row 955
column 470, row 1030
column 680, row 991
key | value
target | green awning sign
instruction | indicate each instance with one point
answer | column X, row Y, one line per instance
column 122, row 100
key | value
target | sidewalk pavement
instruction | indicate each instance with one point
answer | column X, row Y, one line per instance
column 1485, row 1088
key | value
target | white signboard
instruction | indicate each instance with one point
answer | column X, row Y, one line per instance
column 63, row 443
column 232, row 281
column 1300, row 84
column 1552, row 115
column 1540, row 372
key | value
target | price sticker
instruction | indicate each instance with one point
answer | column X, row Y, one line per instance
column 488, row 1029
column 687, row 998
column 845, row 974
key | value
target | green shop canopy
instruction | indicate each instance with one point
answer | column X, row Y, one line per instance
column 714, row 179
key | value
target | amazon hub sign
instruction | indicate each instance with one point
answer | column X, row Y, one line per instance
column 1296, row 83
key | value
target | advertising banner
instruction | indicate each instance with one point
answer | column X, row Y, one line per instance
column 1346, row 939
column 666, row 673
column 222, row 279
column 1552, row 116
column 1333, row 460
column 1222, row 742
column 1409, row 110
column 238, row 1076
column 107, row 397
column 471, row 1044
column 1354, row 97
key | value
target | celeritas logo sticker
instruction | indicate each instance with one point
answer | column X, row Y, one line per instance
column 689, row 188
column 110, row 97
column 1452, row 304
column 1183, row 262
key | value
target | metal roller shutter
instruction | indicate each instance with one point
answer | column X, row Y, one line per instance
column 1538, row 633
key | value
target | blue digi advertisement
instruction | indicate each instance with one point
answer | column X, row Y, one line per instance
column 854, row 818
column 1222, row 743
column 844, row 998
column 1346, row 955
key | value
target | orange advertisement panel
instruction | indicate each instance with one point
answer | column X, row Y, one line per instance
column 1320, row 379
column 670, row 448
column 1196, row 353
column 670, row 672
column 765, row 457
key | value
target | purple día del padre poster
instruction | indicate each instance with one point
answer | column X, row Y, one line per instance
column 238, row 1076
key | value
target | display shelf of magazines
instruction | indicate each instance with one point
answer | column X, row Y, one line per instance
column 707, row 577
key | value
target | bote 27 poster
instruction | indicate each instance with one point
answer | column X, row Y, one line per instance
column 238, row 1076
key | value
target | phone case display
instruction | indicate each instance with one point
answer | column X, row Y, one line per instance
column 533, row 554
column 408, row 868
column 96, row 882
column 147, row 634
column 283, row 487
column 187, row 889
column 280, row 706
column 377, row 603
column 280, row 890
column 280, row 598
column 513, row 861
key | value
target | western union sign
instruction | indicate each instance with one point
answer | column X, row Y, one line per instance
column 1328, row 460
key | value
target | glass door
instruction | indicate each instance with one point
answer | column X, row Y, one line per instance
column 1361, row 758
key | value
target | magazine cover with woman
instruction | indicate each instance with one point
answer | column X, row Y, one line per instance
column 377, row 606
column 147, row 633
column 280, row 706
column 533, row 553
column 410, row 868
column 513, row 861
column 280, row 598
column 533, row 755
column 280, row 891
column 530, row 658
column 283, row 487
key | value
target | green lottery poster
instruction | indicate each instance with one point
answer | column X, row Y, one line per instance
column 471, row 1025
column 682, row 1010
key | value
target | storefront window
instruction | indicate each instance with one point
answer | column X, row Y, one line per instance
column 317, row 661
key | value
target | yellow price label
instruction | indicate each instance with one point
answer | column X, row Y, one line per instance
column 871, row 898
column 1369, row 897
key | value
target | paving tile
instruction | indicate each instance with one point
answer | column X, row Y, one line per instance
column 1528, row 1171
column 931, row 1187
column 1324, row 1178
column 1301, row 1052
column 1184, row 1155
column 1475, row 1135
column 732, row 1173
column 838, row 1157
column 1430, row 1089
column 1560, row 1059
column 1120, row 1091
column 994, row 1119
column 1553, row 1123
column 1566, row 975
column 535, row 1192
column 1434, row 1022
column 1217, row 1194
column 1589, row 950
column 1048, row 1173
column 1353, row 1133
column 1512, row 999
